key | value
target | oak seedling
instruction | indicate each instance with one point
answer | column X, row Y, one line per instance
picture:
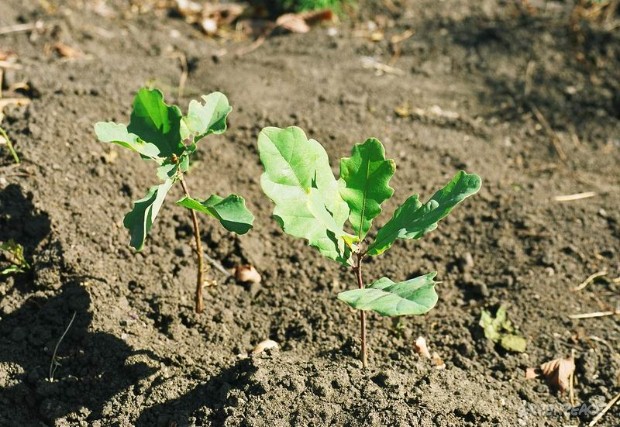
column 311, row 203
column 162, row 134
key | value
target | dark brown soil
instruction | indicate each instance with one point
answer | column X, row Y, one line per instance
column 137, row 354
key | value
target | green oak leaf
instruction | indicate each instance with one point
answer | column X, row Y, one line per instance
column 117, row 133
column 140, row 220
column 156, row 122
column 299, row 180
column 230, row 211
column 210, row 117
column 366, row 175
column 412, row 297
column 412, row 220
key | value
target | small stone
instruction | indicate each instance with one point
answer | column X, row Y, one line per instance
column 479, row 289
column 466, row 262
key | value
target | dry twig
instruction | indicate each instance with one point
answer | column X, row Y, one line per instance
column 601, row 414
column 594, row 314
column 555, row 139
column 589, row 280
column 573, row 197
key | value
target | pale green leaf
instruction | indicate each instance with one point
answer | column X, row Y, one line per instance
column 367, row 174
column 230, row 211
column 156, row 122
column 117, row 133
column 300, row 182
column 500, row 330
column 140, row 220
column 208, row 118
column 412, row 220
column 412, row 297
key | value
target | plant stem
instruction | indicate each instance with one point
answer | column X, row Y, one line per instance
column 360, row 283
column 200, row 273
column 9, row 145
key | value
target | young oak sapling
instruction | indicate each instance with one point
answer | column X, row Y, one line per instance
column 160, row 133
column 311, row 204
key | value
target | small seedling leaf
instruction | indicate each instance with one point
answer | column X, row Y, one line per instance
column 413, row 220
column 300, row 182
column 140, row 220
column 117, row 133
column 208, row 118
column 156, row 122
column 230, row 211
column 13, row 253
column 501, row 331
column 366, row 175
column 412, row 297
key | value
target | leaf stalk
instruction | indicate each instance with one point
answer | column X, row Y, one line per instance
column 200, row 269
column 360, row 283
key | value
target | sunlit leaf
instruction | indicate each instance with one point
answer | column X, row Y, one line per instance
column 208, row 118
column 140, row 220
column 156, row 122
column 117, row 133
column 300, row 182
column 412, row 297
column 413, row 220
column 230, row 211
column 366, row 175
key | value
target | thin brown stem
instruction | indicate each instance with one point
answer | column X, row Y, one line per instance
column 200, row 273
column 360, row 283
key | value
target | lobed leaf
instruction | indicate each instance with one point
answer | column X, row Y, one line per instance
column 117, row 133
column 412, row 220
column 366, row 175
column 210, row 117
column 412, row 297
column 230, row 211
column 156, row 122
column 299, row 180
column 140, row 220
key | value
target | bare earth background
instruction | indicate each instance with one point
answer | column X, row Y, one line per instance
column 136, row 353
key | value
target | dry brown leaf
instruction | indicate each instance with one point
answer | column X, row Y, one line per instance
column 438, row 361
column 301, row 22
column 557, row 372
column 67, row 51
column 293, row 22
column 247, row 274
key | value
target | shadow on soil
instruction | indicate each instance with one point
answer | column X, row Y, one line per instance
column 35, row 310
column 564, row 70
column 214, row 396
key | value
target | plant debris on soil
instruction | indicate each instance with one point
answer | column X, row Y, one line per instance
column 524, row 93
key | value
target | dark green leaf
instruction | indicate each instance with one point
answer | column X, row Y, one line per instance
column 156, row 122
column 231, row 211
column 299, row 180
column 208, row 118
column 140, row 220
column 366, row 174
column 412, row 219
column 412, row 297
